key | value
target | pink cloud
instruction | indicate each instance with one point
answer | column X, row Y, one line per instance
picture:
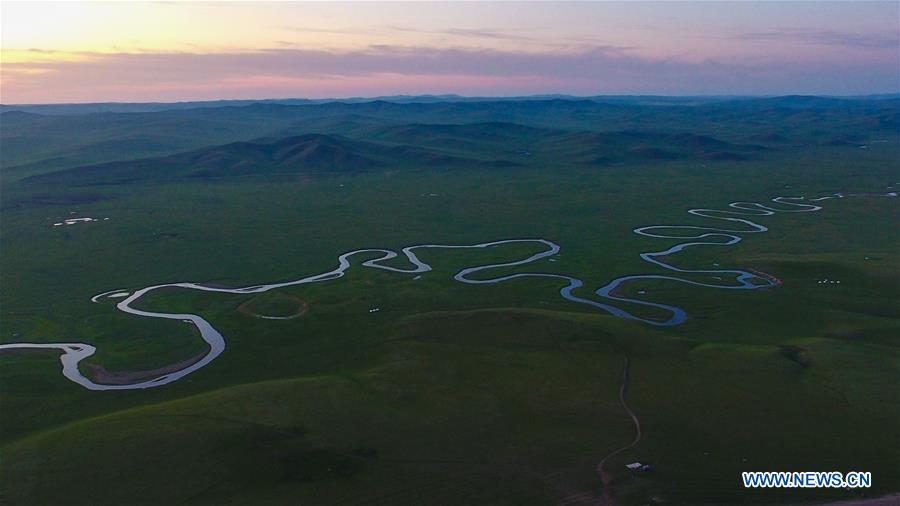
column 393, row 70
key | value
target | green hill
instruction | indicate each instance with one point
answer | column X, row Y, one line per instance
column 304, row 154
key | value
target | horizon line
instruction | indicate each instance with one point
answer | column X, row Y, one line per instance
column 385, row 98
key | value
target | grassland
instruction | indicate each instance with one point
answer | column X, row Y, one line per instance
column 501, row 394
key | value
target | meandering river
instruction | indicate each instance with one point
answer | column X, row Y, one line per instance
column 737, row 222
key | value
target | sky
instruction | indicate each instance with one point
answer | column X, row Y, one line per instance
column 178, row 51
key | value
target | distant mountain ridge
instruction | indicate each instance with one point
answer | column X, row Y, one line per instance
column 490, row 132
column 405, row 147
column 125, row 107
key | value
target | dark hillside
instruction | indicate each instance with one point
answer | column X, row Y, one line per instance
column 416, row 146
column 32, row 144
column 305, row 154
column 620, row 147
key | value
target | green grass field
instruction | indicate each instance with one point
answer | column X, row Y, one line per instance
column 452, row 393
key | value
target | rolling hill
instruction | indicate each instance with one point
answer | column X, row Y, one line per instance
column 411, row 146
column 310, row 154
column 631, row 146
column 32, row 144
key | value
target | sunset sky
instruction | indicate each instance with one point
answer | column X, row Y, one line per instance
column 168, row 51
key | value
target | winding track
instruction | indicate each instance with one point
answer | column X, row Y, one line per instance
column 74, row 353
column 605, row 478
